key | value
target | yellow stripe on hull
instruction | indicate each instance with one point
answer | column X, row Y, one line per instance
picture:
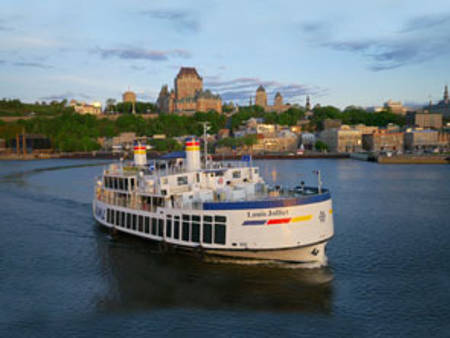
column 301, row 218
column 139, row 152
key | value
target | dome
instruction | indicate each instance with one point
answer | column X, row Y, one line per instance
column 260, row 89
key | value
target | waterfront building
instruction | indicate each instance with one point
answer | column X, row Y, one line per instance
column 442, row 107
column 331, row 123
column 308, row 140
column 344, row 139
column 424, row 120
column 188, row 95
column 421, row 139
column 94, row 108
column 383, row 140
column 31, row 142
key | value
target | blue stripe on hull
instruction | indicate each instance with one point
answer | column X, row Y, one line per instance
column 287, row 202
column 262, row 222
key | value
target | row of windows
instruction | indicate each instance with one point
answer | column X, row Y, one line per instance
column 118, row 183
column 187, row 228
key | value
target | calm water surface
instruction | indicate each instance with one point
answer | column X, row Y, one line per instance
column 388, row 273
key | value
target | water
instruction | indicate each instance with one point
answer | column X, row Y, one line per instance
column 388, row 273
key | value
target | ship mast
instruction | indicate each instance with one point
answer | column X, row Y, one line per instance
column 205, row 143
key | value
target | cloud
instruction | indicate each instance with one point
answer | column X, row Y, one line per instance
column 32, row 65
column 142, row 54
column 65, row 96
column 181, row 20
column 419, row 40
column 241, row 89
column 426, row 22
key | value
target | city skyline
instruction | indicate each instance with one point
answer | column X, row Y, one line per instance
column 351, row 53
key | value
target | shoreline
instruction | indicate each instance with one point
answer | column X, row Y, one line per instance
column 400, row 159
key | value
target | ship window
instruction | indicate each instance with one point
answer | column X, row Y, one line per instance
column 195, row 218
column 195, row 232
column 122, row 216
column 128, row 221
column 169, row 228
column 147, row 225
column 132, row 183
column 219, row 233
column 121, row 183
column 185, row 232
column 126, row 183
column 117, row 217
column 134, row 222
column 115, row 183
column 236, row 174
column 141, row 223
column 186, row 217
column 221, row 219
column 106, row 182
column 160, row 227
column 207, row 233
column 182, row 180
column 113, row 218
column 207, row 218
column 176, row 229
column 108, row 215
column 153, row 226
column 198, row 177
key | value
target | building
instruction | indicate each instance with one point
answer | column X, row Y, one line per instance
column 308, row 140
column 331, row 123
column 33, row 142
column 278, row 105
column 424, row 120
column 188, row 95
column 421, row 139
column 94, row 108
column 129, row 96
column 370, row 129
column 442, row 107
column 261, row 97
column 283, row 141
column 342, row 140
column 383, row 140
column 396, row 107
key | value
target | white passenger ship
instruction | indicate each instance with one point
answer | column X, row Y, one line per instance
column 215, row 209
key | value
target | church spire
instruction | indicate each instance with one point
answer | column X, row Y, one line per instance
column 446, row 93
column 308, row 104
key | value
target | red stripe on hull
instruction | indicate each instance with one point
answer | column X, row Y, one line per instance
column 278, row 221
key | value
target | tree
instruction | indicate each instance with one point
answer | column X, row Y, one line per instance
column 321, row 146
column 110, row 104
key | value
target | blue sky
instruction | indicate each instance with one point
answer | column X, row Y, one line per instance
column 339, row 52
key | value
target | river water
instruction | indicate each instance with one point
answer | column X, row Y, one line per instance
column 388, row 272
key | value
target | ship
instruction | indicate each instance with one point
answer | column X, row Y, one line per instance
column 219, row 210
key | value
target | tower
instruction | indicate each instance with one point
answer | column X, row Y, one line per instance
column 187, row 83
column 446, row 94
column 278, row 99
column 261, row 97
column 308, row 104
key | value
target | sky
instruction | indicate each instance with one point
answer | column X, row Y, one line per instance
column 340, row 53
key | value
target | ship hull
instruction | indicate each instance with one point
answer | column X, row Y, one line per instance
column 304, row 247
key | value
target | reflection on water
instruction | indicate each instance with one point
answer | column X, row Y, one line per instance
column 141, row 277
